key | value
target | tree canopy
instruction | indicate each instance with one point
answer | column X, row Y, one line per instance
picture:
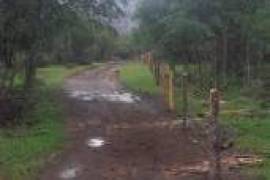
column 231, row 34
column 32, row 30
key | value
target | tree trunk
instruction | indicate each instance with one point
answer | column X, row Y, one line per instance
column 11, row 80
column 248, row 77
column 30, row 71
column 225, row 55
column 216, row 64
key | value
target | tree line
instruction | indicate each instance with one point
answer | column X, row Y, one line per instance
column 37, row 32
column 231, row 38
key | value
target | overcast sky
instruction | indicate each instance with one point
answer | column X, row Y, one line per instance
column 125, row 24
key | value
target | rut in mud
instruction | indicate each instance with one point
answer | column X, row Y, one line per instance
column 116, row 135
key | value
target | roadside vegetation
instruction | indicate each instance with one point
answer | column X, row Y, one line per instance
column 42, row 43
column 25, row 148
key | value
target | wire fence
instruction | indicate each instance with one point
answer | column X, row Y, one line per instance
column 165, row 79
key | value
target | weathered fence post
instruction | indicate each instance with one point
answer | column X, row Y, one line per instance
column 145, row 58
column 157, row 72
column 161, row 78
column 216, row 144
column 185, row 99
column 163, row 81
column 152, row 63
column 171, row 90
column 166, row 87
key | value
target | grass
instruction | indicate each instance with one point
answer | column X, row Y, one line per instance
column 53, row 76
column 136, row 77
column 253, row 136
column 24, row 149
column 253, row 130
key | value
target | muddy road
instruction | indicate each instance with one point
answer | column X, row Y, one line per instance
column 116, row 135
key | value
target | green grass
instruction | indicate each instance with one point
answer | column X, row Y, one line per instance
column 54, row 75
column 253, row 136
column 253, row 130
column 23, row 149
column 138, row 78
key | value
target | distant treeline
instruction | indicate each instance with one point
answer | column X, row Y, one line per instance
column 229, row 37
column 38, row 32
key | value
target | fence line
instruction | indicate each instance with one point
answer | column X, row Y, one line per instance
column 164, row 78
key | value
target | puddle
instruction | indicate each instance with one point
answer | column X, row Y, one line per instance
column 70, row 173
column 76, row 94
column 112, row 97
column 95, row 142
column 88, row 98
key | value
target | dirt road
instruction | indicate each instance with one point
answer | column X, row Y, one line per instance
column 114, row 135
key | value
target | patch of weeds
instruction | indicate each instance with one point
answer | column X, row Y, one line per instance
column 253, row 135
column 25, row 148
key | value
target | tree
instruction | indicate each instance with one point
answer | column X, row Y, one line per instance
column 28, row 29
column 223, row 32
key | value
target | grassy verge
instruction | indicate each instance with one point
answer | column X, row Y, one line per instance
column 253, row 136
column 23, row 149
column 138, row 78
column 253, row 128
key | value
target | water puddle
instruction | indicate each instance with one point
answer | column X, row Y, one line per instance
column 111, row 97
column 95, row 142
column 70, row 173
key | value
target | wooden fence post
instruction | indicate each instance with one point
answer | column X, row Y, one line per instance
column 163, row 81
column 164, row 77
column 145, row 58
column 166, row 87
column 171, row 90
column 157, row 72
column 214, row 101
column 150, row 61
column 185, row 99
column 215, row 108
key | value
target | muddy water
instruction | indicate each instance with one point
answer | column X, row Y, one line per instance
column 124, row 97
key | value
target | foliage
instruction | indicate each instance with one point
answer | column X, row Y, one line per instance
column 24, row 148
column 36, row 32
column 253, row 136
column 230, row 35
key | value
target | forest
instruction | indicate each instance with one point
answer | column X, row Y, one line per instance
column 75, row 69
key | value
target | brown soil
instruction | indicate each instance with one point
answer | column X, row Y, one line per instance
column 142, row 140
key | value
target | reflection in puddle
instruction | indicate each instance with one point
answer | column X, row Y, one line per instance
column 95, row 142
column 70, row 173
column 112, row 97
